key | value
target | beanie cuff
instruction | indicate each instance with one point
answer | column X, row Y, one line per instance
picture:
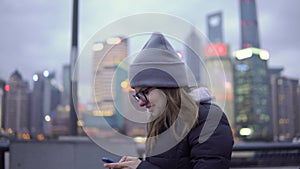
column 145, row 78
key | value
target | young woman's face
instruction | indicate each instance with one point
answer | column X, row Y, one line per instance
column 156, row 100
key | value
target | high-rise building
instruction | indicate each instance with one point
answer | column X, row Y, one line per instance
column 284, row 105
column 107, row 56
column 220, row 77
column 251, row 81
column 252, row 95
column 194, row 56
column 287, row 108
column 16, row 104
column 219, row 66
column 274, row 74
column 45, row 99
column 249, row 24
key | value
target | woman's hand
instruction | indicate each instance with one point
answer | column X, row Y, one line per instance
column 125, row 162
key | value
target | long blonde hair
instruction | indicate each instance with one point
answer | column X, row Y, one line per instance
column 180, row 108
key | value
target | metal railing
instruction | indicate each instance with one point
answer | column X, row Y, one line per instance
column 265, row 155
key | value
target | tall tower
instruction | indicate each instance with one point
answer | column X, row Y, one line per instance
column 219, row 65
column 249, row 26
column 252, row 95
column 16, row 104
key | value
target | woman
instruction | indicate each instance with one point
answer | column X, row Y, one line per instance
column 183, row 132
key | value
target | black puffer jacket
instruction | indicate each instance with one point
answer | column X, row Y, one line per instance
column 210, row 151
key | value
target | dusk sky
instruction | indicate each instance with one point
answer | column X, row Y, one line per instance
column 36, row 34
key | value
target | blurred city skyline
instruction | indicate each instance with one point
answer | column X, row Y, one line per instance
column 260, row 101
column 40, row 31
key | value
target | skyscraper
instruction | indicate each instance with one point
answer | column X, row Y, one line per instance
column 16, row 104
column 107, row 56
column 219, row 65
column 252, row 96
column 284, row 105
column 45, row 99
column 249, row 24
column 287, row 108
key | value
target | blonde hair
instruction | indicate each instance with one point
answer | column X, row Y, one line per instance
column 181, row 109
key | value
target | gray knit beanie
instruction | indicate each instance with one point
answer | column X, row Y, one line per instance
column 157, row 65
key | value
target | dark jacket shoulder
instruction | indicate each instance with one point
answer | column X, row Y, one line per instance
column 211, row 140
column 207, row 146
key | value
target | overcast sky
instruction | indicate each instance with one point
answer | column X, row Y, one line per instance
column 36, row 34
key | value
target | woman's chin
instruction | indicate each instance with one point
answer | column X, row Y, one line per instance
column 151, row 112
column 154, row 114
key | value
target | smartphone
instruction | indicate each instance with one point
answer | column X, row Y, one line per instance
column 107, row 160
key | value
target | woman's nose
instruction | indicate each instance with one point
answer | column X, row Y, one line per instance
column 142, row 103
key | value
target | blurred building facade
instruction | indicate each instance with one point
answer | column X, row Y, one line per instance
column 45, row 98
column 251, row 81
column 65, row 99
column 3, row 88
column 107, row 55
column 219, row 66
column 214, row 23
column 285, row 105
column 16, row 109
column 194, row 56
column 298, row 114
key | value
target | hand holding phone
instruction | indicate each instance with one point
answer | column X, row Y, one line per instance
column 107, row 160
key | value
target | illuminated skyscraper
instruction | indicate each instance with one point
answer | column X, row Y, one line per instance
column 16, row 104
column 252, row 96
column 219, row 66
column 107, row 56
